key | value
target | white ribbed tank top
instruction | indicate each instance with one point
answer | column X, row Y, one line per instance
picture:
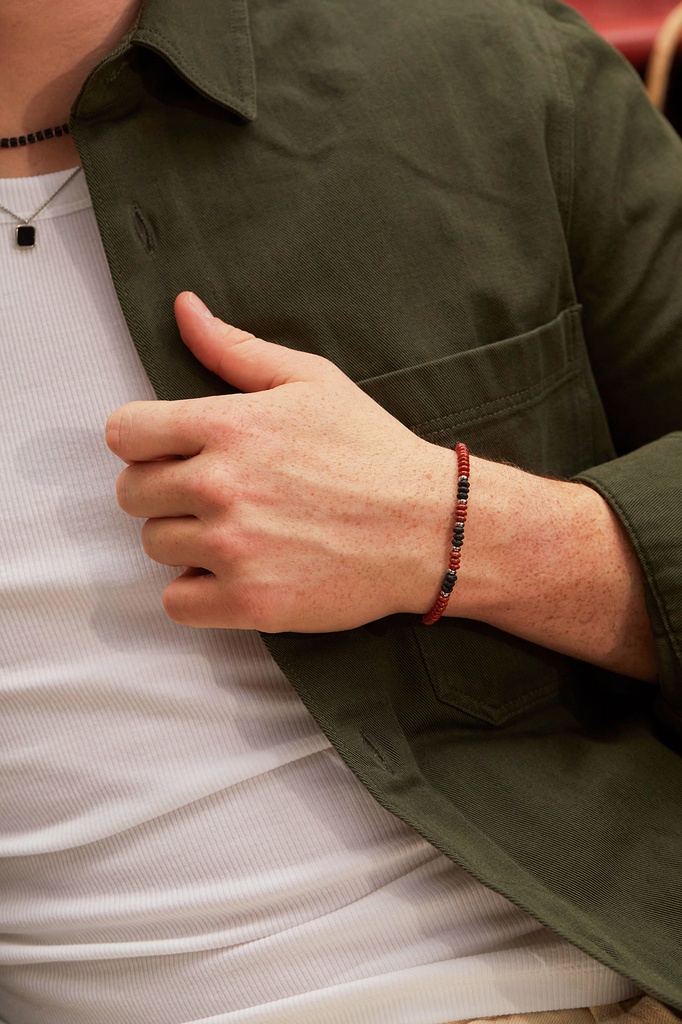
column 178, row 841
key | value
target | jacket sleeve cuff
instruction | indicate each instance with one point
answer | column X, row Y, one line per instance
column 644, row 488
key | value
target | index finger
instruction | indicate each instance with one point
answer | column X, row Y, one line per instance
column 145, row 431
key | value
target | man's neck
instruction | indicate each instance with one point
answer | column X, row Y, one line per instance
column 48, row 49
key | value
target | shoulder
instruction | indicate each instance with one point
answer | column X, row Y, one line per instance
column 414, row 29
column 514, row 46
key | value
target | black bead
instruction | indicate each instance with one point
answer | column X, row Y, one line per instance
column 11, row 142
column 447, row 588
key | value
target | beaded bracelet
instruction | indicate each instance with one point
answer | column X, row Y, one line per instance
column 450, row 578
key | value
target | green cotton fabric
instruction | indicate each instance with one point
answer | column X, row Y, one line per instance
column 472, row 209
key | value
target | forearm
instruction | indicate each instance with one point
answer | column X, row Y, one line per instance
column 549, row 561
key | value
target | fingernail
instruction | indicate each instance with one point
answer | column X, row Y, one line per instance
column 201, row 307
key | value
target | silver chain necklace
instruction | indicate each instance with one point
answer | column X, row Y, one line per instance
column 25, row 234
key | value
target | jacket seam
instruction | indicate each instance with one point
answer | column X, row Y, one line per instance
column 526, row 702
column 534, row 394
column 570, row 95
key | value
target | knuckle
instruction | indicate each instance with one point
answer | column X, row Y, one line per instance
column 224, row 420
column 218, row 545
column 228, row 544
column 234, row 335
column 321, row 363
column 211, row 487
column 233, row 338
column 317, row 367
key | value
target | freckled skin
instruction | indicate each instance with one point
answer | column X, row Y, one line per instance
column 314, row 510
column 561, row 572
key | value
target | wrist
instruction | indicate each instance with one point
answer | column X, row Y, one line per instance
column 548, row 560
column 426, row 546
column 516, row 532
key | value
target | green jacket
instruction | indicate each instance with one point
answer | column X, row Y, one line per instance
column 471, row 208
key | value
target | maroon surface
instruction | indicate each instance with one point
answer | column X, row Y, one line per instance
column 631, row 25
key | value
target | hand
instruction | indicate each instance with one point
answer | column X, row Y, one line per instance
column 306, row 504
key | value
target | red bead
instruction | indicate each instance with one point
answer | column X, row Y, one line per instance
column 454, row 559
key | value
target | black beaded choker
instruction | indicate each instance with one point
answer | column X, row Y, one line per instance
column 13, row 141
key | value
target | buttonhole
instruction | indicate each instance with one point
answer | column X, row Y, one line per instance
column 143, row 229
column 376, row 753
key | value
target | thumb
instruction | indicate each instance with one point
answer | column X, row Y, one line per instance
column 241, row 359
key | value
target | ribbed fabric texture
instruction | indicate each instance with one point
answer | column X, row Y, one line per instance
column 179, row 843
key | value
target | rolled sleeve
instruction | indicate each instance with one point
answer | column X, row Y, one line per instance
column 644, row 488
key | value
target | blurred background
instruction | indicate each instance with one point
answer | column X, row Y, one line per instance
column 649, row 34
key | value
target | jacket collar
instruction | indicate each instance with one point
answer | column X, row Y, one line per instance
column 208, row 43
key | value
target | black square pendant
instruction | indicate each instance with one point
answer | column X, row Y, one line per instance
column 26, row 236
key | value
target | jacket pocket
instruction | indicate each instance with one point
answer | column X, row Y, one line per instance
column 529, row 400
